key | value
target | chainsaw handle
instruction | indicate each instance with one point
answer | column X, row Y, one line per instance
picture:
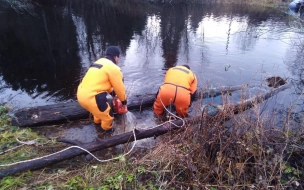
column 124, row 102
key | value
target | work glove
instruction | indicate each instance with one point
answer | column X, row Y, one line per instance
column 192, row 97
column 113, row 94
column 124, row 102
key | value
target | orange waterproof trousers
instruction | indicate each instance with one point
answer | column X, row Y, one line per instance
column 97, row 105
column 168, row 94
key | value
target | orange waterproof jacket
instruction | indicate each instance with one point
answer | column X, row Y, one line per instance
column 104, row 76
column 182, row 77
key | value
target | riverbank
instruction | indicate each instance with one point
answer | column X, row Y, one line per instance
column 249, row 151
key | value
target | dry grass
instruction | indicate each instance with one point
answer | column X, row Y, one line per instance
column 242, row 155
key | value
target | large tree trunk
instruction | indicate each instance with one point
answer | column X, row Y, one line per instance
column 65, row 112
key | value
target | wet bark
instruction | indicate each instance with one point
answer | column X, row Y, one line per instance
column 66, row 112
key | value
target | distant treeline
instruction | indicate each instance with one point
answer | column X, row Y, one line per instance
column 28, row 5
column 262, row 2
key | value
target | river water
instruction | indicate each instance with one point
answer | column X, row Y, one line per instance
column 45, row 50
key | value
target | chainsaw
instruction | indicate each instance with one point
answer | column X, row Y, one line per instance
column 119, row 108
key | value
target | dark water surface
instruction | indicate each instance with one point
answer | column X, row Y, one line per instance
column 43, row 55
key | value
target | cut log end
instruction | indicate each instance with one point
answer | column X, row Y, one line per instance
column 275, row 81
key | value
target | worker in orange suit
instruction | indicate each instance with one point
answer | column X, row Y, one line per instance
column 103, row 77
column 179, row 88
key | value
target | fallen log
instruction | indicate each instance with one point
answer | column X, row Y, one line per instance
column 93, row 146
column 250, row 102
column 127, row 137
column 66, row 112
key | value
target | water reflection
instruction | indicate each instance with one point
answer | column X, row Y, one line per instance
column 41, row 54
column 44, row 55
column 173, row 23
column 38, row 52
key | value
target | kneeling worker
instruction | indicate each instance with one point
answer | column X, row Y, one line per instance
column 179, row 88
column 103, row 77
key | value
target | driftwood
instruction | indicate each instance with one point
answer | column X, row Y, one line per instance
column 65, row 112
column 249, row 103
column 275, row 81
column 126, row 137
column 244, row 104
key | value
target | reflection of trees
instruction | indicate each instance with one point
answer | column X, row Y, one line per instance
column 109, row 25
column 40, row 54
column 249, row 34
column 247, row 37
column 172, row 24
column 253, row 16
column 20, row 6
column 149, row 39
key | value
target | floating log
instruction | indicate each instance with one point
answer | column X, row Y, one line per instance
column 66, row 112
column 127, row 137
